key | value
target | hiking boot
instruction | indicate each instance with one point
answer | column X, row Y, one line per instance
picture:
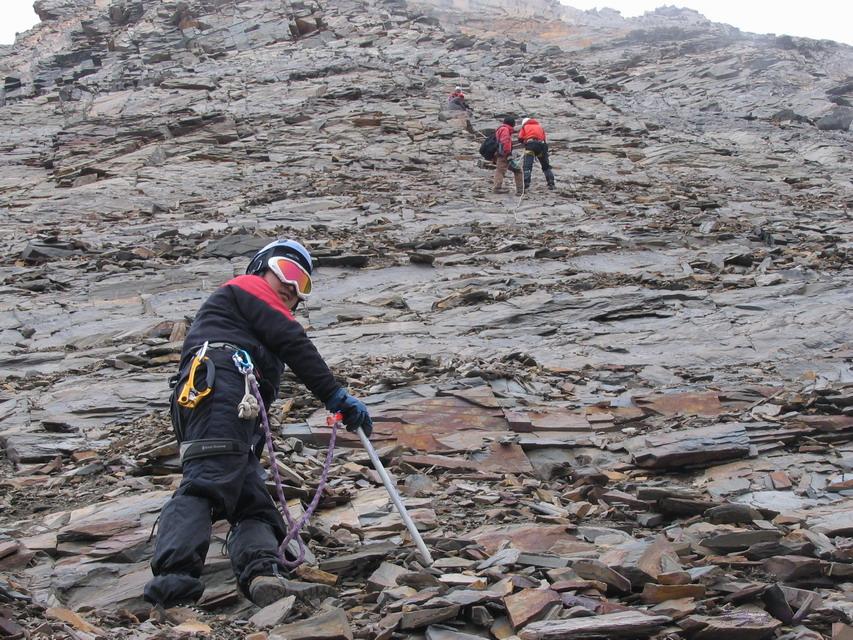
column 519, row 192
column 264, row 590
column 499, row 190
column 551, row 187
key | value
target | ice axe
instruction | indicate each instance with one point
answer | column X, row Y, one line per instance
column 392, row 491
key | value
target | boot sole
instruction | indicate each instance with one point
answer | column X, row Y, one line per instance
column 266, row 594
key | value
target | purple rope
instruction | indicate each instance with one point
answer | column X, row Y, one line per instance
column 293, row 528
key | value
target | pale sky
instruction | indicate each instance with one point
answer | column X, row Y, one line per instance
column 822, row 19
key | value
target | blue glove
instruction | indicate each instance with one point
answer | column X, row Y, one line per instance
column 353, row 410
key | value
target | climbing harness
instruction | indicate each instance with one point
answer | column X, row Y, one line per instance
column 190, row 396
column 251, row 406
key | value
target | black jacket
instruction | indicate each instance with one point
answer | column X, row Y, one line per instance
column 246, row 313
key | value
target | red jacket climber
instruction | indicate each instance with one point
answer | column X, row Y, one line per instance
column 531, row 130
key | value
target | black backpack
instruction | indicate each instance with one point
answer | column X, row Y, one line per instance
column 489, row 147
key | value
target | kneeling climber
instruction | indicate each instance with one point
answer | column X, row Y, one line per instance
column 245, row 327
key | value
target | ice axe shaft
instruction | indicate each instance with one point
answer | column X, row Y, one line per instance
column 395, row 497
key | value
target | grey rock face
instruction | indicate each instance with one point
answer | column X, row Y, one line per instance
column 566, row 384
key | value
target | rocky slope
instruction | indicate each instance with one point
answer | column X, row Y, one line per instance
column 620, row 407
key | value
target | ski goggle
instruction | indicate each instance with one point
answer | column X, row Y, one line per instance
column 291, row 272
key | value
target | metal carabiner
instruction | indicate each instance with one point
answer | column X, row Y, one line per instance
column 243, row 361
column 190, row 396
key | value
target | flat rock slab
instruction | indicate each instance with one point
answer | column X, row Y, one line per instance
column 436, row 632
column 736, row 540
column 360, row 561
column 425, row 617
column 41, row 447
column 274, row 613
column 528, row 538
column 332, row 625
column 623, row 624
column 657, row 593
column 839, row 523
column 591, row 569
column 679, row 404
column 530, row 604
column 385, row 576
column 744, row 623
column 693, row 447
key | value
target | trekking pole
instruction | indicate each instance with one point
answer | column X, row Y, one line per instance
column 395, row 497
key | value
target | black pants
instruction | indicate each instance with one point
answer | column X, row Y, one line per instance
column 539, row 150
column 213, row 488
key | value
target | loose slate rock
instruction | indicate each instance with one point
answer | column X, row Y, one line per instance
column 597, row 570
column 426, row 617
column 744, row 623
column 530, row 604
column 695, row 447
column 732, row 513
column 274, row 613
column 332, row 625
column 623, row 624
column 736, row 540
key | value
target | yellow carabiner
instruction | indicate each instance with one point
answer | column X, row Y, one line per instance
column 190, row 396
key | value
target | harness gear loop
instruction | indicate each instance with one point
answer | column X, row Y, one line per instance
column 293, row 527
column 192, row 449
column 190, row 396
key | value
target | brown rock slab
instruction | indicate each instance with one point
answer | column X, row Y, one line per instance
column 75, row 620
column 528, row 538
column 657, row 593
column 193, row 628
column 675, row 609
column 330, row 625
column 313, row 574
column 642, row 562
column 780, row 480
column 786, row 568
column 529, row 605
column 622, row 624
column 528, row 421
column 596, row 570
column 386, row 575
column 688, row 403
